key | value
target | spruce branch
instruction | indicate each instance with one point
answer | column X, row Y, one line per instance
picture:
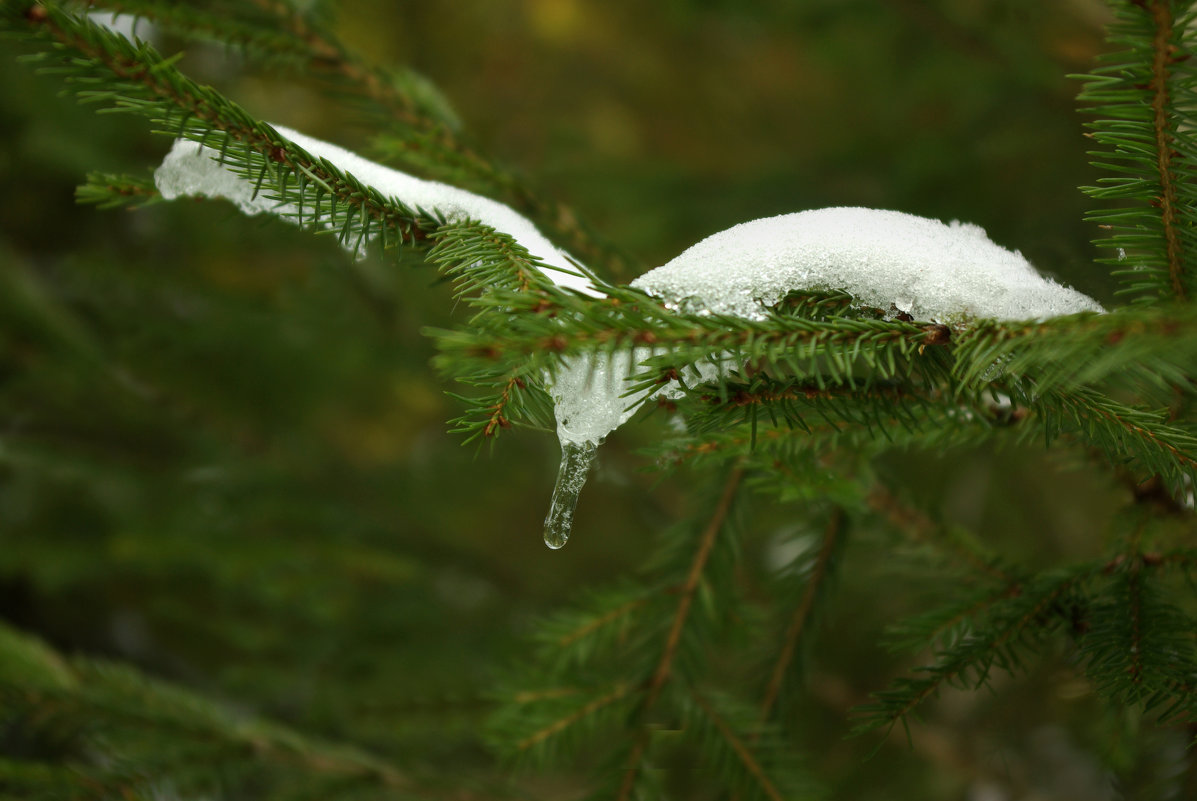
column 1158, row 344
column 947, row 625
column 224, row 24
column 599, row 629
column 915, row 526
column 420, row 130
column 135, row 78
column 109, row 191
column 1138, row 647
column 559, row 721
column 564, row 325
column 1143, row 97
column 1164, row 125
column 1012, row 625
column 673, row 639
column 1124, row 433
column 665, row 664
column 821, row 569
column 757, row 764
column 279, row 33
column 118, row 719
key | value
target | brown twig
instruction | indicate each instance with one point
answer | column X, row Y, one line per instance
column 739, row 748
column 1161, row 12
column 802, row 613
column 559, row 725
column 686, row 598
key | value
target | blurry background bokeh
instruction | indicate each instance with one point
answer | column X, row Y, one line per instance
column 223, row 451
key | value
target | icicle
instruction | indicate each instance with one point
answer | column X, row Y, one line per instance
column 576, row 459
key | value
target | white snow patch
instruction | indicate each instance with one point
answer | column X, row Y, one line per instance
column 190, row 169
column 929, row 270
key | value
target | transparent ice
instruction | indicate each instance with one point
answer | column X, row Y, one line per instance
column 897, row 262
column 576, row 459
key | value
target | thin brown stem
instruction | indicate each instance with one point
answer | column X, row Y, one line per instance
column 661, row 674
column 557, row 726
column 917, row 527
column 686, row 599
column 739, row 748
column 1161, row 13
column 599, row 622
column 802, row 613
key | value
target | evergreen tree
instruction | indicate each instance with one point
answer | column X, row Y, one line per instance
column 226, row 573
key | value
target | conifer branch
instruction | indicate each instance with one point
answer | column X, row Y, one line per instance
column 944, row 626
column 558, row 726
column 390, row 93
column 1029, row 613
column 141, row 81
column 1138, row 647
column 1083, row 349
column 660, row 674
column 686, row 595
column 125, row 710
column 798, row 622
column 1123, row 433
column 914, row 525
column 219, row 26
column 565, row 325
column 1164, row 122
column 1144, row 99
column 108, row 191
column 426, row 138
column 589, row 627
column 739, row 748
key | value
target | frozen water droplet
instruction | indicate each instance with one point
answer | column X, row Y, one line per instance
column 576, row 458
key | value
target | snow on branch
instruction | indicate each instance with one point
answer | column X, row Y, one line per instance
column 884, row 259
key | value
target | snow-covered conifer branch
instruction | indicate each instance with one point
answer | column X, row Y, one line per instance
column 417, row 128
column 133, row 77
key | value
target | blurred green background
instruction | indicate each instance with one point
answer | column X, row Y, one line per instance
column 223, row 452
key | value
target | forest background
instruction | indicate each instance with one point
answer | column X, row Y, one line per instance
column 290, row 527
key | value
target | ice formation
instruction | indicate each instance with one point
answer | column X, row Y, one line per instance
column 190, row 169
column 929, row 270
column 586, row 389
column 885, row 259
column 589, row 403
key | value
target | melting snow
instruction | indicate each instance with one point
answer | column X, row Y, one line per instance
column 885, row 259
column 190, row 169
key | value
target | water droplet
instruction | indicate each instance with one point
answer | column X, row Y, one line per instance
column 576, row 459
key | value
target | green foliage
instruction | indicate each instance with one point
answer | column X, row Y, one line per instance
column 785, row 475
column 1143, row 94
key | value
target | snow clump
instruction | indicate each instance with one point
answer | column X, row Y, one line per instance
column 921, row 267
